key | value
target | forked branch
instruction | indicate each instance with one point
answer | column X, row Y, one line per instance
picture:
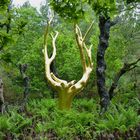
column 88, row 31
column 54, row 47
column 81, row 44
column 86, row 59
column 126, row 67
column 69, row 89
column 79, row 40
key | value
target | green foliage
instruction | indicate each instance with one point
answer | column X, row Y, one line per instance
column 104, row 7
column 4, row 124
column 26, row 25
column 69, row 9
column 14, row 123
column 42, row 117
column 24, row 44
column 19, row 122
column 117, row 48
column 74, row 10
column 34, row 58
column 68, row 58
column 4, row 4
column 85, row 105
column 5, row 18
column 121, row 119
column 5, row 38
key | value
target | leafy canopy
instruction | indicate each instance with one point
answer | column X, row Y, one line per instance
column 75, row 9
column 69, row 9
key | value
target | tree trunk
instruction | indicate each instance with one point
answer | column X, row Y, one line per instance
column 65, row 100
column 104, row 25
column 1, row 97
column 23, row 68
column 115, row 83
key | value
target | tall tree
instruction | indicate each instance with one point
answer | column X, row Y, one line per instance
column 5, row 21
column 106, row 11
column 103, row 9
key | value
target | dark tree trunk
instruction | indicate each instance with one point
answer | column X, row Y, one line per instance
column 115, row 83
column 1, row 97
column 25, row 78
column 105, row 96
column 104, row 26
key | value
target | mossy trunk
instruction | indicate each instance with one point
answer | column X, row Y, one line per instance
column 65, row 100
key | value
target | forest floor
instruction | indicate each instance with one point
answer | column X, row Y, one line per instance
column 43, row 121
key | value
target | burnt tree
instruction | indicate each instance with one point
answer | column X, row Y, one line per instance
column 104, row 26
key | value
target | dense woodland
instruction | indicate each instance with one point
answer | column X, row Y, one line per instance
column 70, row 71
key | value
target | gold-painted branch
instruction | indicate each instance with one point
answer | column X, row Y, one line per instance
column 48, row 60
column 88, row 30
column 89, row 56
column 54, row 47
column 58, row 79
column 67, row 90
column 77, row 87
column 79, row 41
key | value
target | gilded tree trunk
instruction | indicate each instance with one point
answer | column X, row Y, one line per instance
column 67, row 90
column 65, row 100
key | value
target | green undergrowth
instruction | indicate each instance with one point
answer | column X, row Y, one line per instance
column 43, row 120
